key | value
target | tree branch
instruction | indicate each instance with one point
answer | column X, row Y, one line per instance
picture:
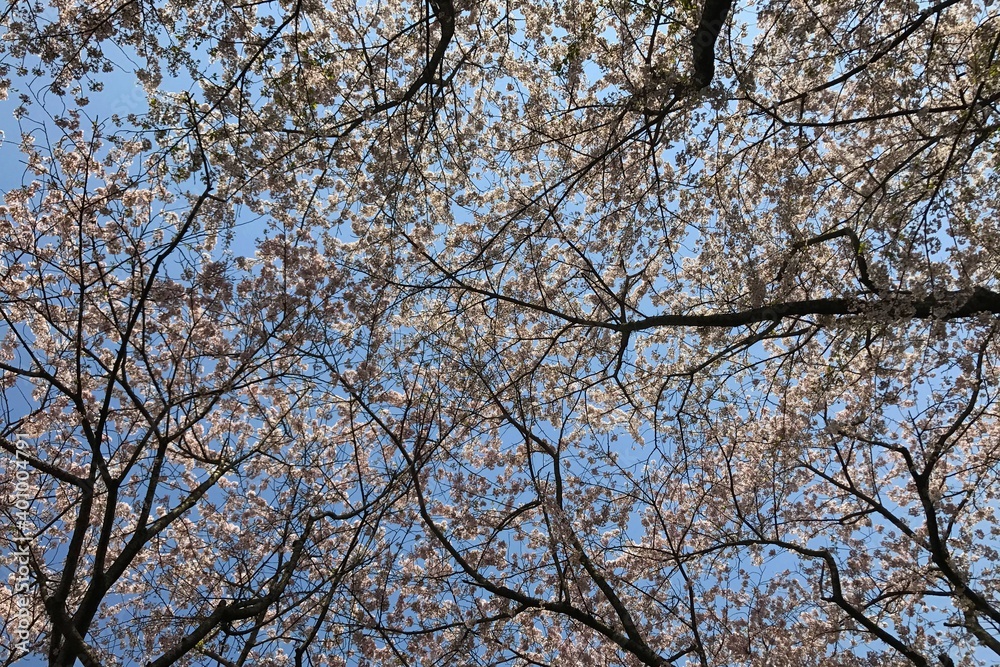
column 713, row 17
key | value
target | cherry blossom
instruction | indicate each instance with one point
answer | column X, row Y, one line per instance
column 533, row 333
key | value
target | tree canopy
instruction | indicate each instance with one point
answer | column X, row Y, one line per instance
column 549, row 332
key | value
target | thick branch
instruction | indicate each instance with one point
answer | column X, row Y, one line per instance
column 713, row 17
column 953, row 305
column 48, row 468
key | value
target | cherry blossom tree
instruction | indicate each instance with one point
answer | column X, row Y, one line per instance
column 583, row 332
